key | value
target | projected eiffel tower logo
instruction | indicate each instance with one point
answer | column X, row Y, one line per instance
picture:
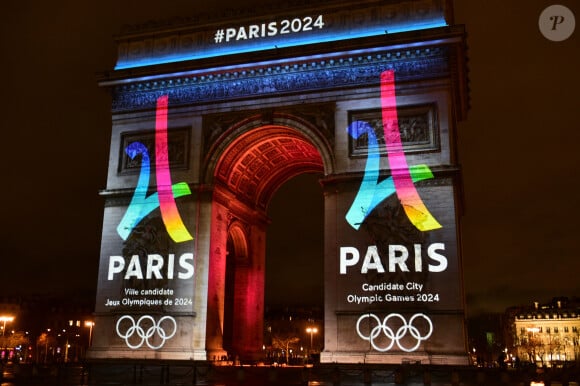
column 402, row 181
column 164, row 199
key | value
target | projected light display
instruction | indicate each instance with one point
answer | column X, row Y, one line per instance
column 164, row 198
column 371, row 193
column 153, row 271
column 412, row 203
column 388, row 335
column 266, row 34
column 146, row 330
column 190, row 179
column 394, row 273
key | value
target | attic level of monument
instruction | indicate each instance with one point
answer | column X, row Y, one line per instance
column 264, row 32
column 346, row 69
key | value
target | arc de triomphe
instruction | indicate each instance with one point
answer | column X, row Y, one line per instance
column 210, row 116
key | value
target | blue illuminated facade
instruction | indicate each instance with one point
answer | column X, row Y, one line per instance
column 322, row 23
column 346, row 69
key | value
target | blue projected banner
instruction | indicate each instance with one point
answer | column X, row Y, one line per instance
column 272, row 32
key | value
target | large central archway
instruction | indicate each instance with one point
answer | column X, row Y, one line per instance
column 248, row 164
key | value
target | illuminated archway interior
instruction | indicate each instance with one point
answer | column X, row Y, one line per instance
column 257, row 163
column 248, row 173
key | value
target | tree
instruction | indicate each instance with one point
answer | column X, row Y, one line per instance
column 284, row 343
column 14, row 340
column 532, row 346
column 44, row 343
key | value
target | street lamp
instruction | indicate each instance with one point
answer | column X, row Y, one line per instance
column 311, row 331
column 4, row 319
column 90, row 325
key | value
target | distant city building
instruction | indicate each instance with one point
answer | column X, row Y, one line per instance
column 547, row 334
column 45, row 328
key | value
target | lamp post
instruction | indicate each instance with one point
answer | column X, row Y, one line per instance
column 311, row 331
column 90, row 325
column 4, row 319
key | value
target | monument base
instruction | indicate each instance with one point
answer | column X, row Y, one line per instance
column 114, row 353
column 422, row 358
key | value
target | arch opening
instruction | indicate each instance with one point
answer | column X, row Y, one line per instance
column 294, row 289
column 248, row 173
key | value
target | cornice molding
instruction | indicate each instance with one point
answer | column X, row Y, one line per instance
column 354, row 70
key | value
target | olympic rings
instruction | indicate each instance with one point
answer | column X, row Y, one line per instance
column 146, row 334
column 394, row 336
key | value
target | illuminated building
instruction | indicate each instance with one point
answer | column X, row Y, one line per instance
column 211, row 118
column 547, row 334
column 45, row 328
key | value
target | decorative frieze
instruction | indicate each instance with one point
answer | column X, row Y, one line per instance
column 177, row 149
column 320, row 116
column 418, row 127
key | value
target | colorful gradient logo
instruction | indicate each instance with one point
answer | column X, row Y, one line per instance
column 164, row 199
column 402, row 180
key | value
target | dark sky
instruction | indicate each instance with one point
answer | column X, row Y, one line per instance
column 518, row 147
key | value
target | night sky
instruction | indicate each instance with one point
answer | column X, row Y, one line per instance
column 518, row 147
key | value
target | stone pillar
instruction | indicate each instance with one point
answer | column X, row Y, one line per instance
column 216, row 282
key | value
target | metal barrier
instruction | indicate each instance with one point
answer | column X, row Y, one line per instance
column 177, row 373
